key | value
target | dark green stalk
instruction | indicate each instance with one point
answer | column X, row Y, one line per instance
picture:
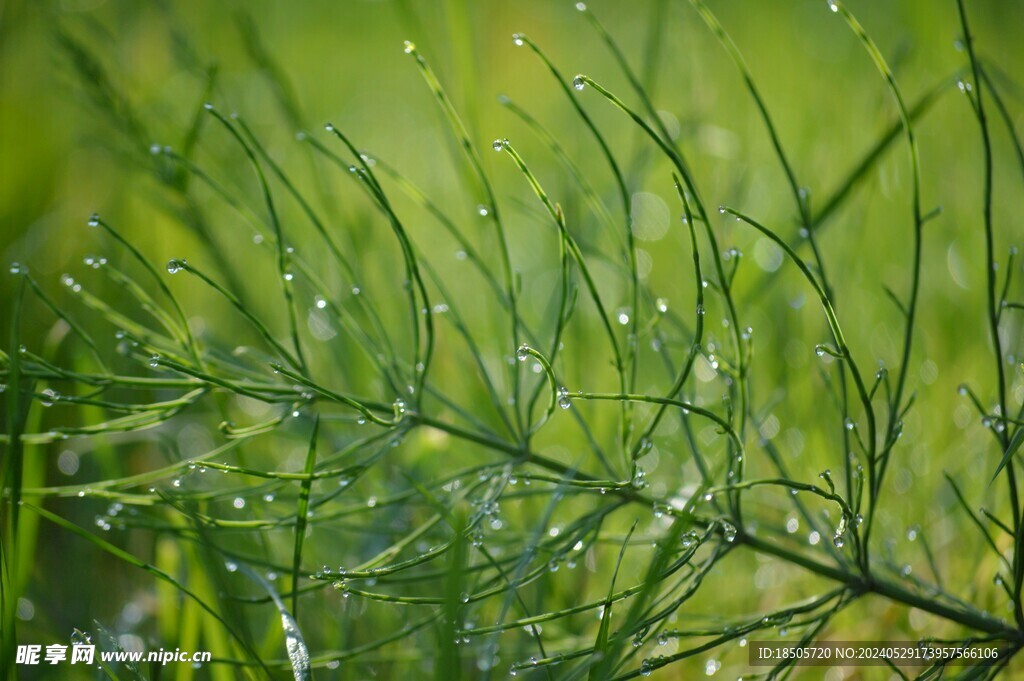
column 282, row 257
column 993, row 314
column 629, row 381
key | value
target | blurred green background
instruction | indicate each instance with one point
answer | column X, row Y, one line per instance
column 86, row 87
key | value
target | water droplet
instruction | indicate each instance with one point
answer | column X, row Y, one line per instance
column 819, row 350
column 700, row 310
column 638, row 481
column 94, row 220
column 288, row 276
column 174, row 266
column 563, row 398
column 662, row 305
column 498, row 144
column 17, row 268
column 579, row 82
column 482, row 210
column 905, row 571
column 728, row 531
column 833, row 5
column 912, row 532
column 238, row 503
column 409, row 47
column 523, row 352
column 154, row 361
column 962, row 389
column 849, row 423
column 689, row 540
column 581, row 6
column 622, row 315
column 399, row 406
column 49, row 397
column 712, row 666
column 826, row 475
column 646, row 668
column 268, row 497
column 517, row 39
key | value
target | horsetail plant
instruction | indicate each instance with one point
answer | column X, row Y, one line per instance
column 444, row 490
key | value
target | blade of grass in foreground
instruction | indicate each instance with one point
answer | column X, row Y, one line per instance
column 10, row 488
column 301, row 516
column 446, row 666
column 602, row 662
column 298, row 653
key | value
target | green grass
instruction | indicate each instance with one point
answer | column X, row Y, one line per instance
column 465, row 408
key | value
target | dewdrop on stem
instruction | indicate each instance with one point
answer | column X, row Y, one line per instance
column 826, row 475
column 579, row 82
column 499, row 144
column 563, row 398
column 174, row 265
column 839, row 538
column 408, row 47
column 517, row 39
column 523, row 352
